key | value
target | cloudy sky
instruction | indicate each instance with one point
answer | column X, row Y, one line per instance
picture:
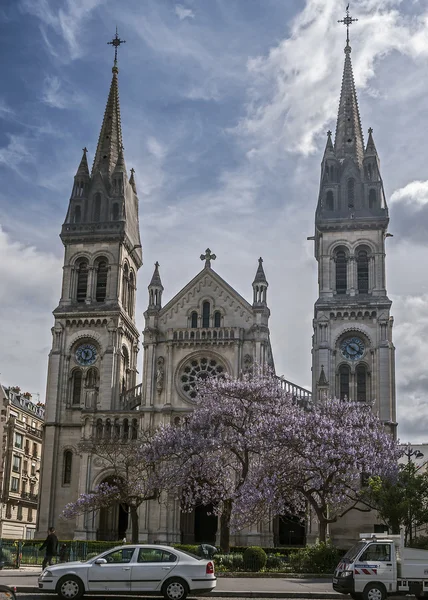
column 225, row 105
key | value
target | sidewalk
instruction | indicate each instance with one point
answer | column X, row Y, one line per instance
column 25, row 579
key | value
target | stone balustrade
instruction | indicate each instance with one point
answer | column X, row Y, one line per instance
column 219, row 335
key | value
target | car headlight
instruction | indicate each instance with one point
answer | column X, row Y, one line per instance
column 346, row 573
column 46, row 574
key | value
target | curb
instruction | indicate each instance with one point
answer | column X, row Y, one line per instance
column 29, row 589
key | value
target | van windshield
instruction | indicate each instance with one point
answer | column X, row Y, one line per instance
column 353, row 552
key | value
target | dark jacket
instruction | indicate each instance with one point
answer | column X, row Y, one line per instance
column 50, row 543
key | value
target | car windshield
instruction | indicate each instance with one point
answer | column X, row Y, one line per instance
column 354, row 552
column 190, row 554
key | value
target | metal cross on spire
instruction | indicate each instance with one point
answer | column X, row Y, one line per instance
column 348, row 20
column 208, row 257
column 116, row 41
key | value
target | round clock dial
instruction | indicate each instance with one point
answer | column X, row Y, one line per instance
column 352, row 348
column 86, row 354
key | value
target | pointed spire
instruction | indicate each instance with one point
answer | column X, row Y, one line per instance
column 83, row 169
column 120, row 166
column 132, row 181
column 349, row 136
column 260, row 274
column 155, row 289
column 110, row 140
column 370, row 148
column 329, row 149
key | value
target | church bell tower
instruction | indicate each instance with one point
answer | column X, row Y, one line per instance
column 352, row 350
column 93, row 361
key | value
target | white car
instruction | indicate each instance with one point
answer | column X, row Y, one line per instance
column 132, row 569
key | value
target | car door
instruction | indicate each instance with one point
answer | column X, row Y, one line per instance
column 151, row 567
column 115, row 574
column 376, row 564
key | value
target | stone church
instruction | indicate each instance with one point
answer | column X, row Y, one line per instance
column 208, row 328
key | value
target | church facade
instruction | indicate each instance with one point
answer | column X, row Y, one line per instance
column 208, row 328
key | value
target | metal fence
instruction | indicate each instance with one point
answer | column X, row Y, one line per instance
column 14, row 553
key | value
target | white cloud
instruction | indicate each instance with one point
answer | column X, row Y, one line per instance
column 415, row 192
column 184, row 13
column 30, row 282
column 67, row 22
column 54, row 95
column 17, row 151
column 5, row 110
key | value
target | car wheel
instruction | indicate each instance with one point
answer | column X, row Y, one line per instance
column 374, row 591
column 175, row 589
column 70, row 588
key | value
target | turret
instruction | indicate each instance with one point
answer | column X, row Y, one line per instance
column 260, row 286
column 155, row 290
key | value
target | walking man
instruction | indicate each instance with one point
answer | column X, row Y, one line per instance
column 50, row 544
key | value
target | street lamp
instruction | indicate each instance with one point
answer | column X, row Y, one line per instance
column 411, row 453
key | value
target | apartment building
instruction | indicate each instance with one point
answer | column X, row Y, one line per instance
column 21, row 434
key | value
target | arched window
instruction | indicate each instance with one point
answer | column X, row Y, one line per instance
column 217, row 319
column 125, row 430
column 82, row 281
column 363, row 272
column 115, row 211
column 341, row 272
column 134, row 429
column 101, row 289
column 76, row 386
column 131, row 290
column 99, row 429
column 344, row 373
column 108, row 430
column 206, row 314
column 361, row 383
column 351, row 192
column 125, row 279
column 125, row 370
column 194, row 319
column 116, row 430
column 92, row 378
column 77, row 214
column 329, row 200
column 68, row 460
column 372, row 198
column 97, row 207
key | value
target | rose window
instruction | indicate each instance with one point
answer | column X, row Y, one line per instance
column 197, row 370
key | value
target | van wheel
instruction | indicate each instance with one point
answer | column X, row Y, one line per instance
column 70, row 587
column 175, row 589
column 374, row 591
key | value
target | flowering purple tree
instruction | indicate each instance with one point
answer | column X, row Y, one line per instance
column 319, row 457
column 130, row 479
column 215, row 455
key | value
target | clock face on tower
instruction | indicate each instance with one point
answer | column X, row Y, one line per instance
column 86, row 354
column 352, row 348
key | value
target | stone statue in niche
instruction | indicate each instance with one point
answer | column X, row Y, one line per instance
column 248, row 364
column 160, row 374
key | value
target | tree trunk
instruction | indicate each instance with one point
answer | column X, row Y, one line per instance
column 322, row 524
column 225, row 526
column 133, row 510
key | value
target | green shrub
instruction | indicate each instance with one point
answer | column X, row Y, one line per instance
column 320, row 558
column 91, row 555
column 254, row 559
column 420, row 542
column 192, row 548
column 275, row 562
column 229, row 562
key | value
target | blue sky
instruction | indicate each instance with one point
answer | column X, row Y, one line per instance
column 225, row 105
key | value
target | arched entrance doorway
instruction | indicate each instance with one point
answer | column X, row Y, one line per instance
column 113, row 521
column 289, row 531
column 199, row 526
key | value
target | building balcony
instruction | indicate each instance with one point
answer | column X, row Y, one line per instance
column 202, row 335
column 37, row 433
column 131, row 398
column 29, row 497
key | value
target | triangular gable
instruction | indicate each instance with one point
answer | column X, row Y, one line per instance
column 227, row 293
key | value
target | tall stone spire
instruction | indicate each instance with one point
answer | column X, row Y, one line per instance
column 260, row 286
column 155, row 290
column 110, row 140
column 349, row 135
